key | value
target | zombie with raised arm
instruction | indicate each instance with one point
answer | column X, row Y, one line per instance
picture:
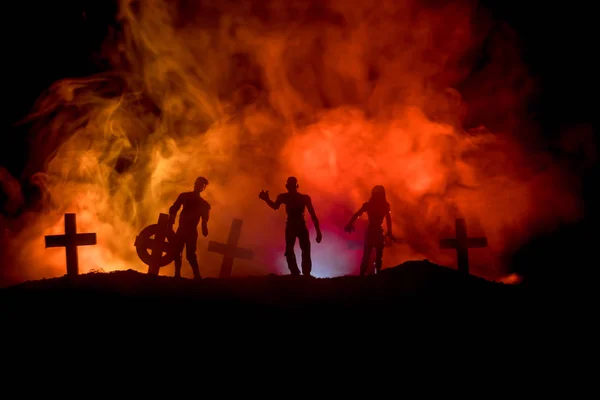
column 295, row 205
column 377, row 208
column 194, row 209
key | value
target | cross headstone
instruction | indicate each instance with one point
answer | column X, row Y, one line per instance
column 462, row 244
column 230, row 250
column 155, row 245
column 70, row 241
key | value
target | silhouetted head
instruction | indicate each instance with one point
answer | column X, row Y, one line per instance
column 200, row 184
column 378, row 194
column 292, row 184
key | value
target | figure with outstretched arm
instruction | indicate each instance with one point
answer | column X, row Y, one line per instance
column 295, row 204
column 194, row 209
column 377, row 208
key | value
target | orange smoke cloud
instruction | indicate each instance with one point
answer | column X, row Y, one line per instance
column 343, row 96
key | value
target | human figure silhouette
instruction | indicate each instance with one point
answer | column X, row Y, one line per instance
column 194, row 208
column 377, row 208
column 295, row 204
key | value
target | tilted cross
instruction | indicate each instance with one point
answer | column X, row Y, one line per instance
column 230, row 249
column 462, row 244
column 70, row 241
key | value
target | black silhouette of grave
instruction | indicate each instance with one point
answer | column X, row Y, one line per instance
column 155, row 245
column 462, row 243
column 71, row 240
column 229, row 250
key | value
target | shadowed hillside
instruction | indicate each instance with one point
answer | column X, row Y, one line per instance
column 412, row 278
column 416, row 302
column 408, row 288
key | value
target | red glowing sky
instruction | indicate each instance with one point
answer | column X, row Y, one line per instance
column 343, row 97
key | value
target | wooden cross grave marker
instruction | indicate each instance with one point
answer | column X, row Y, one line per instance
column 230, row 250
column 70, row 241
column 462, row 243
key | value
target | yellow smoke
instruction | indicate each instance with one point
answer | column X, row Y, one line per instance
column 344, row 96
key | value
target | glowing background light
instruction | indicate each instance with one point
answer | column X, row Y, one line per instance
column 342, row 96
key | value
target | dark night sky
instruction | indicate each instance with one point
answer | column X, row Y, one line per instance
column 53, row 40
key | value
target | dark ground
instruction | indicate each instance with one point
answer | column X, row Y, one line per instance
column 413, row 295
column 413, row 317
column 417, row 282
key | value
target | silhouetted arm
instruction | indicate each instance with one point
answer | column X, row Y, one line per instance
column 273, row 204
column 313, row 214
column 174, row 209
column 388, row 220
column 361, row 211
column 205, row 217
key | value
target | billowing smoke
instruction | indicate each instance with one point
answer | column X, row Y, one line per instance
column 342, row 95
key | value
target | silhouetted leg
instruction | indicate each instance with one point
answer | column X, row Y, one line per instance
column 190, row 254
column 378, row 257
column 364, row 265
column 378, row 240
column 179, row 243
column 290, row 257
column 304, row 240
column 370, row 243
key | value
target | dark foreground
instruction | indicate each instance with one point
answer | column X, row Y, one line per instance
column 414, row 291
column 416, row 299
column 417, row 308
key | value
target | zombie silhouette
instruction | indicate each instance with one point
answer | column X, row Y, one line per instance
column 377, row 208
column 295, row 204
column 194, row 208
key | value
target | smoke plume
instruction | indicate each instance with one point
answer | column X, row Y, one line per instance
column 426, row 98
